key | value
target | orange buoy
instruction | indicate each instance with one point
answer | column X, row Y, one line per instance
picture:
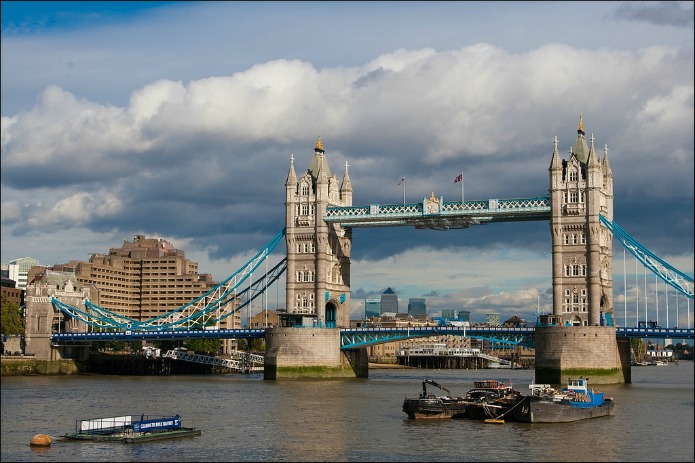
column 41, row 440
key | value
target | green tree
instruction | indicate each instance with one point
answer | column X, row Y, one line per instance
column 11, row 320
column 204, row 345
column 136, row 345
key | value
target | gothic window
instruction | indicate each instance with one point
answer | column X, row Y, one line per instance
column 581, row 196
column 574, row 197
column 574, row 239
column 305, row 209
column 567, row 239
column 582, row 238
column 567, row 271
column 575, row 299
column 573, row 176
column 583, row 270
column 299, row 247
column 305, row 190
column 575, row 270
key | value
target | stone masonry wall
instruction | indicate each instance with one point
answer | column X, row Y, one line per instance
column 573, row 350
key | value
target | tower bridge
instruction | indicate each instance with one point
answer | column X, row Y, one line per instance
column 320, row 217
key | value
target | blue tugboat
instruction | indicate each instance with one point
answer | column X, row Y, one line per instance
column 575, row 402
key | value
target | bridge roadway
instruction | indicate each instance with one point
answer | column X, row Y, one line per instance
column 361, row 337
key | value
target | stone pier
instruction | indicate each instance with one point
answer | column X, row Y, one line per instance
column 590, row 351
column 293, row 352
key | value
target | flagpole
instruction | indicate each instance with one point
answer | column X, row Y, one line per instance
column 462, row 186
column 404, row 191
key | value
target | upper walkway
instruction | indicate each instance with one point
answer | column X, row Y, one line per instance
column 437, row 214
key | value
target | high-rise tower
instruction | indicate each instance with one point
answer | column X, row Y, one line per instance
column 581, row 189
column 318, row 253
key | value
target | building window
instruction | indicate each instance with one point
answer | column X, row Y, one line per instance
column 305, row 190
column 573, row 176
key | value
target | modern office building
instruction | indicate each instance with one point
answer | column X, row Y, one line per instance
column 417, row 306
column 372, row 307
column 18, row 269
column 458, row 315
column 389, row 302
column 492, row 319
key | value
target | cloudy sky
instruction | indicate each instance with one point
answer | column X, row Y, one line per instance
column 177, row 120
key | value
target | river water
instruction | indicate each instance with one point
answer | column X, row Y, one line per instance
column 245, row 418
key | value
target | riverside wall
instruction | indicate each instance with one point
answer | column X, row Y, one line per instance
column 134, row 365
column 594, row 352
column 293, row 353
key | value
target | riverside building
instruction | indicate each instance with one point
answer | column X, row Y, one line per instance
column 143, row 279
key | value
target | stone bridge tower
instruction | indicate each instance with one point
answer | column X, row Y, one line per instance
column 581, row 189
column 579, row 337
column 317, row 280
column 318, row 254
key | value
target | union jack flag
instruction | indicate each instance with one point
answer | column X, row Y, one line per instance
column 402, row 180
column 458, row 178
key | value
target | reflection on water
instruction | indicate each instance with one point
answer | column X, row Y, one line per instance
column 244, row 418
